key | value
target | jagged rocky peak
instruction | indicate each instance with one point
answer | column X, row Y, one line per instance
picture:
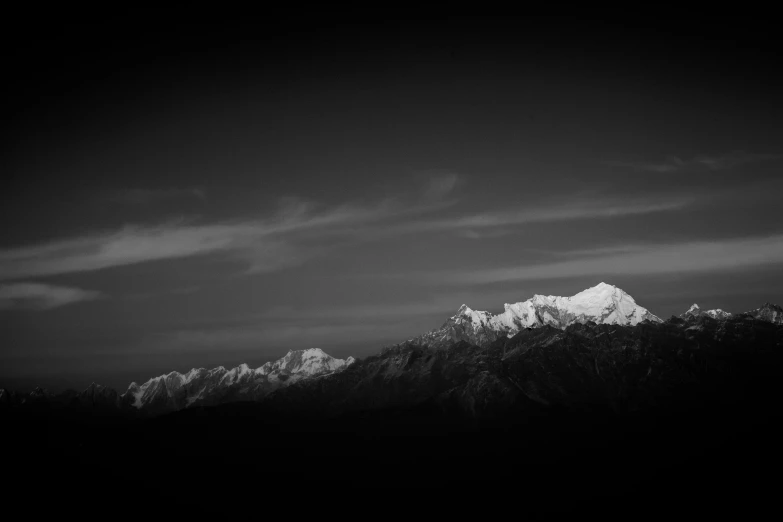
column 718, row 314
column 241, row 373
column 176, row 390
column 308, row 362
column 93, row 389
column 8, row 397
column 769, row 312
column 694, row 311
column 475, row 317
column 95, row 394
column 39, row 392
column 98, row 389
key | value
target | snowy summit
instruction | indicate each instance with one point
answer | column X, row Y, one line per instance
column 695, row 311
column 602, row 304
column 175, row 390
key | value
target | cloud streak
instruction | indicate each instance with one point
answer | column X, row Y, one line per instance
column 676, row 164
column 297, row 231
column 441, row 185
column 690, row 257
column 571, row 210
column 39, row 296
column 147, row 196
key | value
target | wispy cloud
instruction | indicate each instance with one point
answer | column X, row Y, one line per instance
column 296, row 231
column 574, row 208
column 670, row 164
column 300, row 230
column 39, row 296
column 441, row 184
column 485, row 234
column 174, row 291
column 141, row 196
column 732, row 160
column 689, row 257
column 675, row 163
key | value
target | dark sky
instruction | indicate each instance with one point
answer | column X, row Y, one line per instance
column 194, row 196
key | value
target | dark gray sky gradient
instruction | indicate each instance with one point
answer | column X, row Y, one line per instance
column 186, row 198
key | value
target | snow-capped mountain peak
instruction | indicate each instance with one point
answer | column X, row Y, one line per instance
column 305, row 362
column 606, row 304
column 241, row 372
column 175, row 390
column 695, row 311
column 718, row 313
column 603, row 303
column 465, row 313
column 95, row 388
column 769, row 312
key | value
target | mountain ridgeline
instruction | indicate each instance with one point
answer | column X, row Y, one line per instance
column 198, row 387
column 499, row 357
column 567, row 399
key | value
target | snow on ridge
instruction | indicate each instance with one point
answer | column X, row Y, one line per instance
column 190, row 400
column 307, row 362
column 768, row 312
column 603, row 303
column 716, row 313
column 237, row 374
column 170, row 380
column 297, row 364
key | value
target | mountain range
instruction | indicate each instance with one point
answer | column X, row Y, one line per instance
column 601, row 304
column 577, row 402
column 594, row 309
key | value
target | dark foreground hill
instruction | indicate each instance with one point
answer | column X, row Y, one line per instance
column 592, row 417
